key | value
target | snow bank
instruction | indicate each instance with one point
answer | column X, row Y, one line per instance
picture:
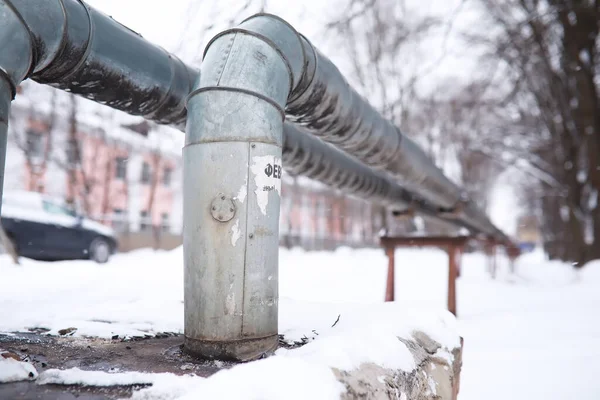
column 141, row 293
column 537, row 330
column 76, row 376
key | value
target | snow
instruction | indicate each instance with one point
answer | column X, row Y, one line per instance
column 532, row 335
column 252, row 381
column 76, row 376
column 12, row 370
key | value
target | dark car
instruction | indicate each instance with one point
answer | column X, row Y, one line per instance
column 45, row 228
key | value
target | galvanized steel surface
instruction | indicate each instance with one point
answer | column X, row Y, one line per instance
column 5, row 98
column 233, row 150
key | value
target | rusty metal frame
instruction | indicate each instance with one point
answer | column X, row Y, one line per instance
column 454, row 246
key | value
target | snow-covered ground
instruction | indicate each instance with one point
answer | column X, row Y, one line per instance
column 535, row 335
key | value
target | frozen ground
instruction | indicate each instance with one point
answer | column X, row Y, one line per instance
column 535, row 335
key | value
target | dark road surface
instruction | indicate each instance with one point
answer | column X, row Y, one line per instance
column 141, row 354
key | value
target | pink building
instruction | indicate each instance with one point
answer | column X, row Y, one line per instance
column 125, row 172
column 116, row 173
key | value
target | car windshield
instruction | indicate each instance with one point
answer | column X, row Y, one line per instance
column 54, row 208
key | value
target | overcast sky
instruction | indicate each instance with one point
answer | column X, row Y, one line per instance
column 163, row 23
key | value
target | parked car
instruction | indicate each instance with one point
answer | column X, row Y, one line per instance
column 45, row 228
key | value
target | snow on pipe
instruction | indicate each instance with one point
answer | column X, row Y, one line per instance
column 306, row 155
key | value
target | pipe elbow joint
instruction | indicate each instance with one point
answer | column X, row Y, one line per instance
column 253, row 69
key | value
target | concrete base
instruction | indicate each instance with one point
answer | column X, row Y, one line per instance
column 435, row 377
column 236, row 350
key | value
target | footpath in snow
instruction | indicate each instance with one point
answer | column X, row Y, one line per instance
column 535, row 335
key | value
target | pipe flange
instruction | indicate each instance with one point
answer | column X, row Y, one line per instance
column 222, row 208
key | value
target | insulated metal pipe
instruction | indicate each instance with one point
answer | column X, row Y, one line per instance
column 304, row 154
column 77, row 48
column 69, row 45
column 232, row 189
column 5, row 97
column 326, row 105
column 15, row 61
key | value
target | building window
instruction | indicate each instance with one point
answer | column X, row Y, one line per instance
column 165, row 223
column 145, row 178
column 118, row 220
column 35, row 144
column 72, row 152
column 167, row 176
column 121, row 168
column 144, row 221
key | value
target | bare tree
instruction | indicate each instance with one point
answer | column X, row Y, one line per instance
column 549, row 53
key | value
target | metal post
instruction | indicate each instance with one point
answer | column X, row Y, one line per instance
column 494, row 261
column 5, row 97
column 459, row 261
column 390, row 284
column 232, row 189
column 452, row 269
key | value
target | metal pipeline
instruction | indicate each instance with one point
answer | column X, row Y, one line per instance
column 69, row 45
column 232, row 189
column 326, row 105
column 5, row 97
column 252, row 76
column 322, row 102
column 304, row 154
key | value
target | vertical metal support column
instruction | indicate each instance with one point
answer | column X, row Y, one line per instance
column 390, row 284
column 494, row 261
column 5, row 98
column 452, row 271
column 232, row 188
